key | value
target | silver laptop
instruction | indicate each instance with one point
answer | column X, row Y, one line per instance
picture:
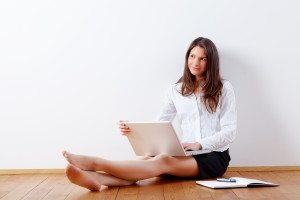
column 154, row 138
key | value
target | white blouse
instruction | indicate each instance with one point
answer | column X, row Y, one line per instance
column 214, row 131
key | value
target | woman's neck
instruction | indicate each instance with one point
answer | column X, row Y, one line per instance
column 199, row 82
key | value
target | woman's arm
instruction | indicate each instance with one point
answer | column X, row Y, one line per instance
column 228, row 122
column 168, row 110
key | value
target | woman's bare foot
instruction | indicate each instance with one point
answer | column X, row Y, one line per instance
column 81, row 161
column 82, row 178
column 93, row 180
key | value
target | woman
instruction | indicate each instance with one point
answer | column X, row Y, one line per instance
column 205, row 104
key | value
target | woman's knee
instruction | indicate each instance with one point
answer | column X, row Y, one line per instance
column 162, row 160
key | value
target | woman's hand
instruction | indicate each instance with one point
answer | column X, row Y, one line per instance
column 124, row 129
column 192, row 146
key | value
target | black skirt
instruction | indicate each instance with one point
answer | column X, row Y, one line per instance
column 212, row 165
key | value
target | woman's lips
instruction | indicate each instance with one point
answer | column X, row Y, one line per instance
column 194, row 68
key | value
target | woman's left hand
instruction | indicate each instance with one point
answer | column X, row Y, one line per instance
column 192, row 146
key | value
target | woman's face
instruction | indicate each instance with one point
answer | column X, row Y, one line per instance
column 197, row 61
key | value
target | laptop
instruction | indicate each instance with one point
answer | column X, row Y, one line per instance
column 154, row 138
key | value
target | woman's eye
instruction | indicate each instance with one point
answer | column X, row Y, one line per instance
column 192, row 56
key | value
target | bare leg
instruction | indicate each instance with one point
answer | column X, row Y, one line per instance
column 88, row 162
column 138, row 169
column 81, row 161
column 93, row 180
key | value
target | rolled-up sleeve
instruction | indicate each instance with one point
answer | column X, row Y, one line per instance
column 228, row 122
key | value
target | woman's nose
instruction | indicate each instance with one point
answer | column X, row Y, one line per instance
column 197, row 62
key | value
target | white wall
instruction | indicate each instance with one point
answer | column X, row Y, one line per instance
column 69, row 70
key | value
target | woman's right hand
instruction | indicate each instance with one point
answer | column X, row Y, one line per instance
column 124, row 129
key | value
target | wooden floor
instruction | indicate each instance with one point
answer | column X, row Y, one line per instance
column 57, row 186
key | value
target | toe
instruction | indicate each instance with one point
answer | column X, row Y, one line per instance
column 64, row 152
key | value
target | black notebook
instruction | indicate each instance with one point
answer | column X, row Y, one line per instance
column 240, row 183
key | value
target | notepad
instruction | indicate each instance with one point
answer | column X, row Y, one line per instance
column 240, row 183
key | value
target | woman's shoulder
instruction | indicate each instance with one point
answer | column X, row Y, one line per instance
column 174, row 89
column 226, row 85
column 177, row 86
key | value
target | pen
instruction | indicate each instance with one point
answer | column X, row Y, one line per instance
column 226, row 180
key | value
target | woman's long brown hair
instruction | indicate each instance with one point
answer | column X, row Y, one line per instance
column 212, row 86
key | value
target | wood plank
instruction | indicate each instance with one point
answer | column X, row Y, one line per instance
column 25, row 187
column 151, row 189
column 145, row 189
column 229, row 174
column 106, row 193
column 195, row 191
column 223, row 194
column 289, row 183
column 173, row 189
column 260, row 192
column 4, row 177
column 3, row 180
column 9, row 183
column 44, row 188
column 292, row 176
column 128, row 193
column 58, row 187
column 61, row 190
